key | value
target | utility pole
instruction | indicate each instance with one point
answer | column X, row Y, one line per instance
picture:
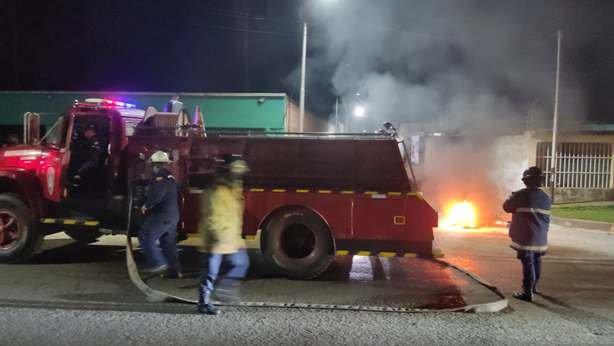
column 337, row 114
column 303, row 63
column 555, row 121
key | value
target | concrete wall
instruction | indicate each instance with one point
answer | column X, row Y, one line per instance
column 486, row 170
column 312, row 122
column 583, row 195
column 483, row 171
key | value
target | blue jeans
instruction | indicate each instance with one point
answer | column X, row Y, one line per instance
column 162, row 230
column 531, row 268
column 239, row 263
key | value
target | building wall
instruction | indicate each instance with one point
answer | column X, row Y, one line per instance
column 220, row 110
column 481, row 171
column 486, row 171
column 312, row 122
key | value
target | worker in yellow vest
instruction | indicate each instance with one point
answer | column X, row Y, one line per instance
column 220, row 226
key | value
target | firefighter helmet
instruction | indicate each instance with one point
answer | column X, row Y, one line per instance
column 233, row 164
column 160, row 157
column 532, row 176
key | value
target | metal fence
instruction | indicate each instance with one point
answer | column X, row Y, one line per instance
column 578, row 165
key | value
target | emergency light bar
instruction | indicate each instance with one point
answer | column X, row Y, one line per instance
column 110, row 103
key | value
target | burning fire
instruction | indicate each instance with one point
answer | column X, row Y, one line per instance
column 460, row 215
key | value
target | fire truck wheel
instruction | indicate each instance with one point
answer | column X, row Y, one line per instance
column 297, row 243
column 19, row 236
column 85, row 236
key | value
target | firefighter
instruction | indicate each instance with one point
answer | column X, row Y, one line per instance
column 162, row 215
column 87, row 155
column 221, row 222
column 530, row 208
column 388, row 129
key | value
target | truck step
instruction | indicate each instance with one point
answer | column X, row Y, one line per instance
column 70, row 222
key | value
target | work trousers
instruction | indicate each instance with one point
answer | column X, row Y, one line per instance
column 531, row 269
column 239, row 263
column 164, row 231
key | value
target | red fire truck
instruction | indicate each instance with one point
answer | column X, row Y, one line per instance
column 308, row 197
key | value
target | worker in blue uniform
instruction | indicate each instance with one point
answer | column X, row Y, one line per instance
column 87, row 160
column 530, row 208
column 162, row 215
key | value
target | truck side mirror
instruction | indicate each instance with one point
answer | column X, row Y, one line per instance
column 31, row 128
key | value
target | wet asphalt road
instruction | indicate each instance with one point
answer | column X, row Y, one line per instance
column 82, row 295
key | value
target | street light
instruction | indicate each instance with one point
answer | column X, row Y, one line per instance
column 359, row 111
column 303, row 68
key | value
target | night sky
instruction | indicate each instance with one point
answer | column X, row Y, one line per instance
column 229, row 46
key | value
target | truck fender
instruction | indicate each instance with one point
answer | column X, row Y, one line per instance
column 24, row 184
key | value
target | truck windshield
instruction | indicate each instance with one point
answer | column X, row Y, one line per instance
column 55, row 134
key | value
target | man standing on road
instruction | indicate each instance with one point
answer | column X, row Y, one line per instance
column 530, row 208
column 160, row 224
column 221, row 222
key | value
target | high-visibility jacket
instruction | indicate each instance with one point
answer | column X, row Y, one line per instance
column 530, row 208
column 221, row 218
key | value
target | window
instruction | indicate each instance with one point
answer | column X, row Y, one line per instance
column 579, row 165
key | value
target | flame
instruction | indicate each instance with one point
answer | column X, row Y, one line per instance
column 460, row 214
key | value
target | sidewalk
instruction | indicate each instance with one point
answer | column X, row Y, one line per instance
column 583, row 224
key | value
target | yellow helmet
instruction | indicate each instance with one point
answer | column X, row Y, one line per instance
column 160, row 157
column 239, row 167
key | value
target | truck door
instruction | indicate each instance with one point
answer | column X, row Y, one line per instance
column 56, row 159
column 379, row 217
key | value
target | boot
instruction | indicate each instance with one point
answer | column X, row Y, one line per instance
column 204, row 302
column 527, row 296
column 228, row 290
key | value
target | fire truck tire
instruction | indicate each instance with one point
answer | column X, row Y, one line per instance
column 19, row 236
column 85, row 236
column 297, row 243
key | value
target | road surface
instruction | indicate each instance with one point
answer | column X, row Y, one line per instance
column 72, row 294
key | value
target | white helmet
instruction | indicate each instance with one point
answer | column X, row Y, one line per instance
column 160, row 157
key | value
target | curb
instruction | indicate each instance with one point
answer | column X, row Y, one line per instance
column 580, row 225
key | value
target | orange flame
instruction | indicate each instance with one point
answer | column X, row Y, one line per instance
column 460, row 214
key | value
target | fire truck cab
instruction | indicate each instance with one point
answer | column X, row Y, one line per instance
column 308, row 197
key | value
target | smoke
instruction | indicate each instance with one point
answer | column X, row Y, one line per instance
column 482, row 68
column 466, row 62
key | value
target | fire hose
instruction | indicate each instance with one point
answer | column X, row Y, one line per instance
column 154, row 295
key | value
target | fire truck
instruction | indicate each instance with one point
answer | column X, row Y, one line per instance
column 308, row 197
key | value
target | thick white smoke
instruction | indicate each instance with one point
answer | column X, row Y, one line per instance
column 464, row 61
column 479, row 68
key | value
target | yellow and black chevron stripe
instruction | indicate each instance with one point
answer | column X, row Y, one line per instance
column 437, row 253
column 70, row 222
column 374, row 194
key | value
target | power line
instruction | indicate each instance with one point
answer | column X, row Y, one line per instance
column 236, row 29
